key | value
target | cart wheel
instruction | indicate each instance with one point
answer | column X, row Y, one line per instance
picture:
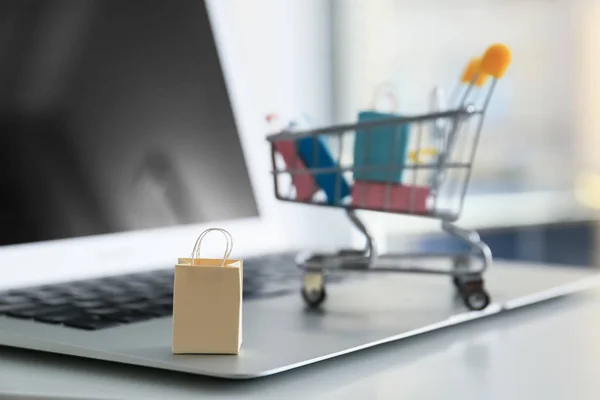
column 459, row 263
column 313, row 298
column 456, row 282
column 476, row 299
column 313, row 289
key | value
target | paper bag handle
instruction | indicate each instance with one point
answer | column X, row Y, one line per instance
column 387, row 89
column 228, row 248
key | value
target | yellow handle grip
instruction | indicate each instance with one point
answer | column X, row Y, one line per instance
column 472, row 69
column 496, row 60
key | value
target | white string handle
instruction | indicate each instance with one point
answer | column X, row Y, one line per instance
column 228, row 248
column 388, row 89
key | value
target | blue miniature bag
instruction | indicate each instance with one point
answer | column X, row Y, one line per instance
column 315, row 154
column 380, row 152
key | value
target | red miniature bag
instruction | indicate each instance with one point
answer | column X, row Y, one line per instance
column 303, row 182
column 390, row 197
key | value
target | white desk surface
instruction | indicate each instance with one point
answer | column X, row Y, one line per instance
column 547, row 351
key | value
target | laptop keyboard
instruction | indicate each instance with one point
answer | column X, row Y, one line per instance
column 107, row 302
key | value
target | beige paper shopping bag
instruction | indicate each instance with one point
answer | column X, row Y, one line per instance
column 207, row 303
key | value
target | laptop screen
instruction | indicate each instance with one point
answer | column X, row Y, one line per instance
column 114, row 116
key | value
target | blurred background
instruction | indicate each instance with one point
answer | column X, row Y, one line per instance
column 535, row 185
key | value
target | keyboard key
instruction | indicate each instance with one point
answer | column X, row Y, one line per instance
column 150, row 309
column 90, row 323
column 39, row 295
column 82, row 295
column 60, row 316
column 6, row 308
column 140, row 285
column 106, row 290
column 56, row 301
column 128, row 316
column 131, row 298
column 14, row 294
column 40, row 310
column 85, row 304
column 140, row 306
column 102, row 312
column 123, row 314
column 142, row 295
column 24, row 313
column 12, row 299
column 162, row 311
column 118, row 281
column 164, row 301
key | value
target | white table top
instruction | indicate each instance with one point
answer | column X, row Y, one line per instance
column 547, row 351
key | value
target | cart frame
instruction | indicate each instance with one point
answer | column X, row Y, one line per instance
column 466, row 268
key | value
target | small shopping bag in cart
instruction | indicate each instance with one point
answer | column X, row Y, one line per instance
column 391, row 197
column 316, row 155
column 302, row 180
column 380, row 152
column 207, row 303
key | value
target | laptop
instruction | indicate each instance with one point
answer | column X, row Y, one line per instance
column 126, row 131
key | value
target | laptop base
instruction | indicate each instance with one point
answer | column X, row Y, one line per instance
column 279, row 334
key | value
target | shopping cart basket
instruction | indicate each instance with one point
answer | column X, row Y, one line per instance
column 431, row 182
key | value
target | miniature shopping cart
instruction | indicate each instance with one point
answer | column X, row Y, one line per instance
column 385, row 162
